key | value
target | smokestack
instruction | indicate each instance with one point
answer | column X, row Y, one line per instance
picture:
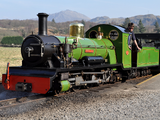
column 42, row 23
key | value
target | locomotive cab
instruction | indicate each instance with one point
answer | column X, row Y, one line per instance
column 118, row 37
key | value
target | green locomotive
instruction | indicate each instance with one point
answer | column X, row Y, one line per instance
column 58, row 63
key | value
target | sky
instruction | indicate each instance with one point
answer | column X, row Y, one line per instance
column 28, row 9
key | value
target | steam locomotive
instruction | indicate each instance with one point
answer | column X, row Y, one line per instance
column 58, row 63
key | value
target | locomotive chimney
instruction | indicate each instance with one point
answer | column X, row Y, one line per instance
column 42, row 23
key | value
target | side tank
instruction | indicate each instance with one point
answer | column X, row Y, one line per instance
column 89, row 46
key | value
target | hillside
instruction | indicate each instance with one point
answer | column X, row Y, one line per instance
column 147, row 20
column 26, row 27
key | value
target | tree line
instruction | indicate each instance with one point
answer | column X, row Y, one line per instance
column 12, row 40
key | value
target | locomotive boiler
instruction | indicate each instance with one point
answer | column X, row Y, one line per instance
column 60, row 63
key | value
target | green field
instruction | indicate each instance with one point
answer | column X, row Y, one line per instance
column 11, row 55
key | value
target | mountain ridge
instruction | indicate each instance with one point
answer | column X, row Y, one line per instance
column 147, row 20
column 67, row 15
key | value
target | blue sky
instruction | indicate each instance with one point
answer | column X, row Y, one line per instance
column 26, row 9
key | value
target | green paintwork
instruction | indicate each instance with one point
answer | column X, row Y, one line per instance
column 148, row 56
column 100, row 48
column 65, row 85
column 111, row 52
column 126, row 52
column 121, row 46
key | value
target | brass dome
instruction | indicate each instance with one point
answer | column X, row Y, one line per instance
column 76, row 30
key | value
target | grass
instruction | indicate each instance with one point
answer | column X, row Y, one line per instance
column 11, row 55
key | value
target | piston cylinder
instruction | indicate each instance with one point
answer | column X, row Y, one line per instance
column 65, row 85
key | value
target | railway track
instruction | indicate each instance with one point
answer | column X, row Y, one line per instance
column 8, row 103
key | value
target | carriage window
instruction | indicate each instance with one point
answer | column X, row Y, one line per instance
column 93, row 34
column 113, row 34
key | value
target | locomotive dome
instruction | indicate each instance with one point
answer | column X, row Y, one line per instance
column 76, row 30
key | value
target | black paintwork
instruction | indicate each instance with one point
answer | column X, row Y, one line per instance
column 36, row 42
column 153, row 36
column 42, row 23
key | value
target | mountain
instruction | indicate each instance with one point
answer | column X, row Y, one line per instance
column 105, row 19
column 100, row 19
column 67, row 15
column 147, row 20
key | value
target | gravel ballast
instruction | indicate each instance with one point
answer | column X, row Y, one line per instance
column 119, row 105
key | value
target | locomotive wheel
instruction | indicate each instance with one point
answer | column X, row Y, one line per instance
column 113, row 78
column 149, row 71
column 129, row 76
column 57, row 92
column 50, row 93
column 138, row 73
column 71, row 90
column 142, row 73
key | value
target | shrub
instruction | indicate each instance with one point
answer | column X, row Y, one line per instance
column 16, row 40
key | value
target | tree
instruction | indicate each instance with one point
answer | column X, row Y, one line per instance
column 16, row 40
column 53, row 20
column 83, row 22
column 142, row 29
column 126, row 21
column 90, row 26
column 113, row 23
column 23, row 33
column 136, row 30
column 157, row 29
